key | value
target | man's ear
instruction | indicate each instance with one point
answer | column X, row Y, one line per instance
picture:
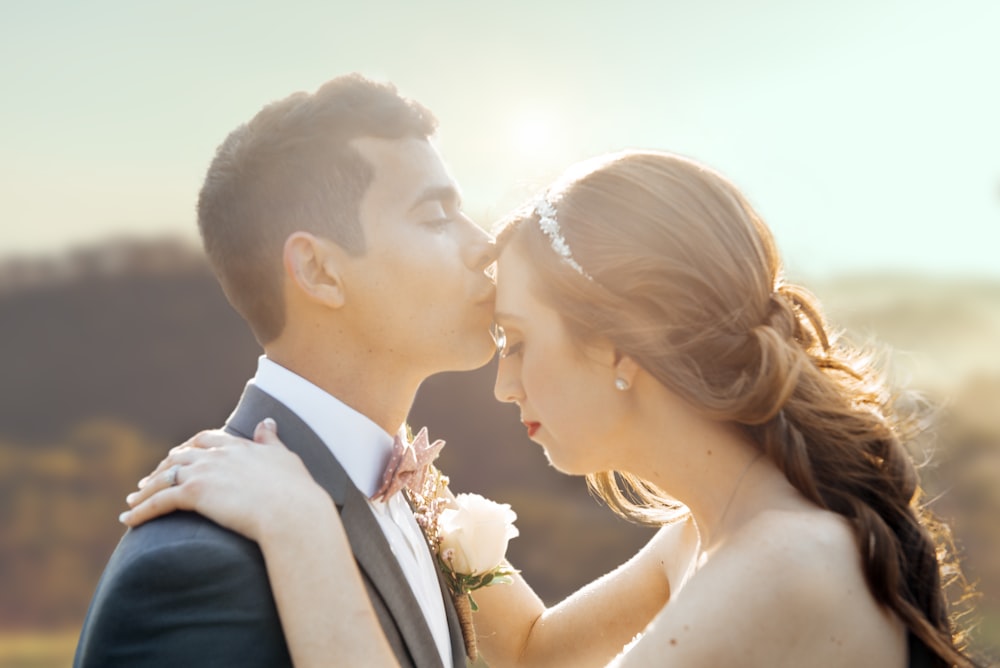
column 312, row 264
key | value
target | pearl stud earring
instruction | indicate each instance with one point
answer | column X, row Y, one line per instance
column 621, row 384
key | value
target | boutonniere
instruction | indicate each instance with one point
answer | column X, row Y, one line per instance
column 468, row 534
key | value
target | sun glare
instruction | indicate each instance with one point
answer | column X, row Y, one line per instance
column 532, row 133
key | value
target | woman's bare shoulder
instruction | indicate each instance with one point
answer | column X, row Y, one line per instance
column 811, row 560
column 789, row 535
column 809, row 554
column 786, row 589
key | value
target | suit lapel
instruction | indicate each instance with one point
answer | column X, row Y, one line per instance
column 371, row 549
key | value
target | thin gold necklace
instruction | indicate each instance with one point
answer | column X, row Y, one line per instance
column 736, row 488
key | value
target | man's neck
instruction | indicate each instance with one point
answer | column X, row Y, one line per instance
column 384, row 396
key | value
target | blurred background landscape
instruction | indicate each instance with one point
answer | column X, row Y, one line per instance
column 864, row 131
column 112, row 354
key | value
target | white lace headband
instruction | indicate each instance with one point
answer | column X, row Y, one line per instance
column 547, row 221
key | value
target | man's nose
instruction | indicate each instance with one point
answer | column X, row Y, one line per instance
column 479, row 249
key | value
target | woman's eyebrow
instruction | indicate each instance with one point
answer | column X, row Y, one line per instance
column 508, row 317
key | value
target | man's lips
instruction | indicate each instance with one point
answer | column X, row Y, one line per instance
column 532, row 427
column 486, row 298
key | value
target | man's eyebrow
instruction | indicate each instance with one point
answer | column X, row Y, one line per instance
column 438, row 194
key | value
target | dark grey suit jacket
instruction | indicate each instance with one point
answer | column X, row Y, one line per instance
column 182, row 591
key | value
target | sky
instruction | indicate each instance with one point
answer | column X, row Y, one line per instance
column 867, row 133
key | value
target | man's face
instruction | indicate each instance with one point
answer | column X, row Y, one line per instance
column 419, row 294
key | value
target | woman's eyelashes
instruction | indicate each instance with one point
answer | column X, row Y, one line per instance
column 511, row 349
column 505, row 347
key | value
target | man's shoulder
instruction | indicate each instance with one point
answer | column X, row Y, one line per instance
column 180, row 541
column 181, row 590
column 184, row 559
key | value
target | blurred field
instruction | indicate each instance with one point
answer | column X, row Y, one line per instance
column 37, row 649
column 114, row 354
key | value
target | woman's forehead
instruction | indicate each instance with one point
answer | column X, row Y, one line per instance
column 515, row 299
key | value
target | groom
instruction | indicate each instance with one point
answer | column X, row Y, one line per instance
column 337, row 233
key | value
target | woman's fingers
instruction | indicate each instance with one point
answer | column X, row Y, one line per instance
column 203, row 439
column 182, row 456
column 211, row 439
column 266, row 433
column 163, row 501
column 216, row 438
column 154, row 484
column 161, row 474
column 161, row 468
column 168, row 488
column 233, row 482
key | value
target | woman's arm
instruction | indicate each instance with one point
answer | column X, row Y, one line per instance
column 324, row 608
column 590, row 627
column 266, row 494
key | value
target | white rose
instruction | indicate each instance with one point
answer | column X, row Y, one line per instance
column 475, row 533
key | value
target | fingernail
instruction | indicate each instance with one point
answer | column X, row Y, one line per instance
column 142, row 483
column 123, row 517
column 269, row 424
column 131, row 497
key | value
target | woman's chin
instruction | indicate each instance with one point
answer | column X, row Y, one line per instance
column 564, row 467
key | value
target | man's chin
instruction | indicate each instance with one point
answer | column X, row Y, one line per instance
column 487, row 351
column 477, row 354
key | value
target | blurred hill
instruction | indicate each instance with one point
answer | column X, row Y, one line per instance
column 138, row 332
column 110, row 355
column 940, row 333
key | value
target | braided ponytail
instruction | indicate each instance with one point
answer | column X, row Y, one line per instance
column 835, row 440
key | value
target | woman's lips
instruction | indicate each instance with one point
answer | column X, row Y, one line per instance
column 532, row 427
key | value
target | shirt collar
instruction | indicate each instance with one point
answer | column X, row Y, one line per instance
column 361, row 446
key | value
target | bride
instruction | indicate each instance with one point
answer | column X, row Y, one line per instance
column 648, row 337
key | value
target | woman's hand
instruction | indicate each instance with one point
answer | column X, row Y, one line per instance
column 262, row 490
column 255, row 488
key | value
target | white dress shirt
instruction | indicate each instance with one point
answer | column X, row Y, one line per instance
column 363, row 449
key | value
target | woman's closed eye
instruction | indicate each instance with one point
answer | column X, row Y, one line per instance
column 512, row 349
column 505, row 347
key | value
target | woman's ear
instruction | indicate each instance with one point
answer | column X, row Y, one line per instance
column 312, row 266
column 626, row 369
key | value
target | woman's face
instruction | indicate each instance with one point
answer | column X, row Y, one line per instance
column 566, row 392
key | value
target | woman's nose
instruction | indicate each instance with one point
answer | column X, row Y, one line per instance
column 508, row 386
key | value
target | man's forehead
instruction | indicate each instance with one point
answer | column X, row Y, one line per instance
column 396, row 153
column 409, row 163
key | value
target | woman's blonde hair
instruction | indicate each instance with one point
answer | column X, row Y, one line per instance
column 683, row 276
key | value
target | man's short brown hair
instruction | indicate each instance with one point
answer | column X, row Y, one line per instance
column 292, row 168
